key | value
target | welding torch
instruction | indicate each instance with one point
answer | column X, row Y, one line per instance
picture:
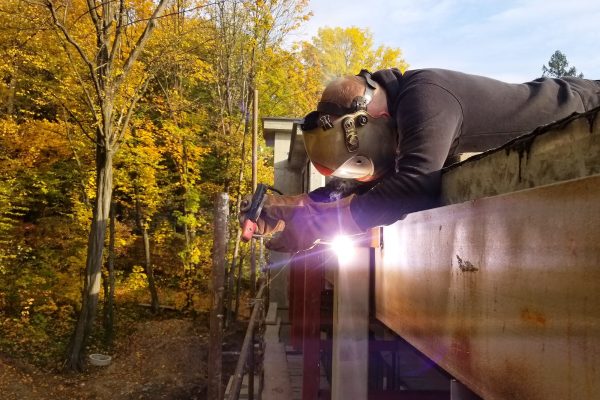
column 249, row 225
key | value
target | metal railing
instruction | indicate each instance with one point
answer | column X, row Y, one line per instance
column 248, row 360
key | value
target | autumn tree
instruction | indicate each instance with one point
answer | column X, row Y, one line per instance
column 558, row 66
column 345, row 51
column 31, row 66
column 104, row 103
column 244, row 35
column 138, row 184
column 292, row 88
column 41, row 237
column 180, row 98
column 106, row 45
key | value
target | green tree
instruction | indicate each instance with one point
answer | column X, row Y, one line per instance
column 558, row 66
column 345, row 51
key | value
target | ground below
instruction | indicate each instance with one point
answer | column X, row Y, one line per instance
column 162, row 359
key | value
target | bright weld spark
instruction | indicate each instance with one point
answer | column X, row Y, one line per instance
column 343, row 247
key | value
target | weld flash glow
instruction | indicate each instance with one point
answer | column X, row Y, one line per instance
column 343, row 248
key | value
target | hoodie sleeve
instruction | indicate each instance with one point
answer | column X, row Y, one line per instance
column 428, row 121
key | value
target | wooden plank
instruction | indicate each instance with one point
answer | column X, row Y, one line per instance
column 502, row 292
column 410, row 395
column 295, row 369
column 276, row 373
column 350, row 326
column 272, row 333
column 271, row 318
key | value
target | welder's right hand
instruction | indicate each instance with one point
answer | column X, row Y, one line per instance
column 284, row 207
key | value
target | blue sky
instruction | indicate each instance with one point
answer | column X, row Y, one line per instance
column 505, row 39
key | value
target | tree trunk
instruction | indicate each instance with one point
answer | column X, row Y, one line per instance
column 154, row 303
column 238, row 286
column 236, row 249
column 12, row 91
column 190, row 233
column 91, row 283
column 109, row 282
column 108, row 77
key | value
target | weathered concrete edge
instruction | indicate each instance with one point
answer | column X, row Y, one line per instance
column 563, row 150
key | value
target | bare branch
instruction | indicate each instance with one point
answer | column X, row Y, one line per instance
column 88, row 97
column 118, row 33
column 169, row 104
column 86, row 199
column 72, row 115
column 139, row 46
column 79, row 49
column 125, row 124
column 181, row 11
column 92, row 9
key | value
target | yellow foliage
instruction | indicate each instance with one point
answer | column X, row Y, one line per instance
column 183, row 143
column 345, row 51
column 33, row 143
column 135, row 280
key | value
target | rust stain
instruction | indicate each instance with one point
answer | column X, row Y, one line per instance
column 513, row 380
column 573, row 247
column 533, row 317
column 460, row 349
column 466, row 266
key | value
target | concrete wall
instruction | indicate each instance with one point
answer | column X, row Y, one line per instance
column 568, row 149
column 288, row 180
column 293, row 175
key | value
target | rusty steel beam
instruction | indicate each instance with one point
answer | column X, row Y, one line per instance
column 502, row 292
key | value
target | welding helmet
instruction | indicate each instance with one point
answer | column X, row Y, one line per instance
column 348, row 142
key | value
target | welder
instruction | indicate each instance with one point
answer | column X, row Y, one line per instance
column 392, row 133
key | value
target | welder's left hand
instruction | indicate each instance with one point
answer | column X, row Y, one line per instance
column 312, row 222
column 275, row 211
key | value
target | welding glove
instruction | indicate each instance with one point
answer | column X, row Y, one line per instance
column 305, row 225
column 269, row 221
